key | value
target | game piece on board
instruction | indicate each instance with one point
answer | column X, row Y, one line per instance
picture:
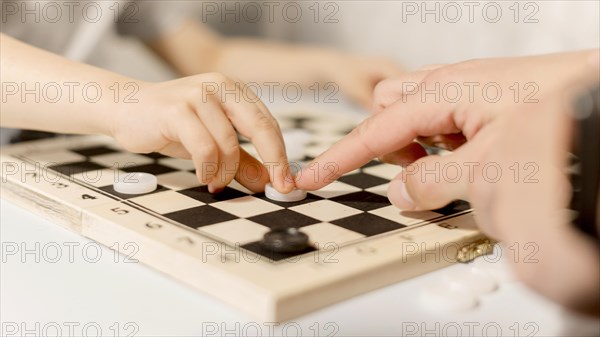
column 294, row 195
column 285, row 240
column 135, row 183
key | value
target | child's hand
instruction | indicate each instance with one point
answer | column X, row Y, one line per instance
column 197, row 118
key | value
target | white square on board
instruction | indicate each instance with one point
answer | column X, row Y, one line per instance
column 325, row 210
column 240, row 231
column 385, row 171
column 246, row 207
column 379, row 189
column 178, row 180
column 166, row 202
column 177, row 163
column 324, row 233
column 335, row 189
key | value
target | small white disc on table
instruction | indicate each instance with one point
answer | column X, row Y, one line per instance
column 447, row 297
column 474, row 280
column 294, row 195
column 136, row 183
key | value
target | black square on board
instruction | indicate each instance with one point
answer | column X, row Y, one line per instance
column 200, row 216
column 362, row 180
column 94, row 150
column 149, row 168
column 75, row 168
column 367, row 224
column 154, row 155
column 454, row 207
column 275, row 256
column 363, row 200
column 371, row 163
column 283, row 218
column 201, row 193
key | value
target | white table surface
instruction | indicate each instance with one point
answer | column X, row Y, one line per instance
column 76, row 292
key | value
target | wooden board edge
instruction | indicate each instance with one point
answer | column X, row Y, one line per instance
column 43, row 205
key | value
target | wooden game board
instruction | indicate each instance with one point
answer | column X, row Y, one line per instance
column 359, row 241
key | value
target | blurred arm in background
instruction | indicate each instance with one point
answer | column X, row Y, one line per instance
column 194, row 48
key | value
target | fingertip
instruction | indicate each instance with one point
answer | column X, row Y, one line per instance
column 213, row 189
column 303, row 180
column 399, row 196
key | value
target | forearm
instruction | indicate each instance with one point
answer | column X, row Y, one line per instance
column 190, row 49
column 43, row 91
column 194, row 48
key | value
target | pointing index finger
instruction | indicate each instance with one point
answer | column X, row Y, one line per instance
column 392, row 129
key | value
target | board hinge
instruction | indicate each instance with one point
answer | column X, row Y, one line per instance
column 474, row 249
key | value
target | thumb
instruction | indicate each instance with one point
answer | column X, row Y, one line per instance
column 434, row 181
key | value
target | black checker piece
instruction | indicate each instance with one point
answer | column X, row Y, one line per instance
column 257, row 248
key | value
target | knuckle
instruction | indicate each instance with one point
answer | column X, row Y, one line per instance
column 264, row 122
column 230, row 143
column 178, row 111
column 362, row 132
column 206, row 152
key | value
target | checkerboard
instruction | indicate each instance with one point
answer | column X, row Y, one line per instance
column 182, row 224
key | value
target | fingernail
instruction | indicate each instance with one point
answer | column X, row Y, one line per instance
column 399, row 197
column 212, row 189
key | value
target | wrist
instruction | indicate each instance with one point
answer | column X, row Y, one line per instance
column 125, row 96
